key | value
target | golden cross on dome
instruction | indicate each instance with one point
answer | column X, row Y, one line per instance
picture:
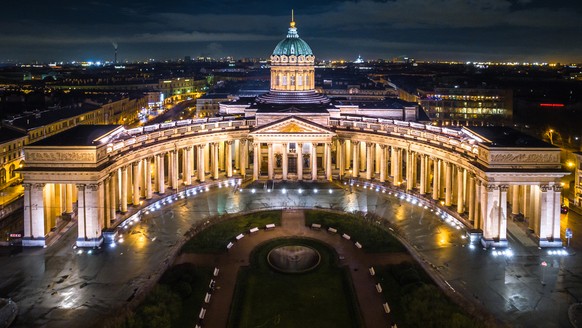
column 292, row 19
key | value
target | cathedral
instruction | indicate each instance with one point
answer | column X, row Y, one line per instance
column 95, row 174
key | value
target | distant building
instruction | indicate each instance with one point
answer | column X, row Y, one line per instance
column 468, row 105
column 578, row 180
column 11, row 155
column 208, row 105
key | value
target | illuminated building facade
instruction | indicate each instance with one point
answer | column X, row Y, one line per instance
column 293, row 133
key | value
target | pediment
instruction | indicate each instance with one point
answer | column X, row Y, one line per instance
column 293, row 125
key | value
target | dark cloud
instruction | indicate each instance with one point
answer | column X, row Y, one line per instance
column 429, row 29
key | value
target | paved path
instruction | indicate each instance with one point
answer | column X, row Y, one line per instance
column 293, row 224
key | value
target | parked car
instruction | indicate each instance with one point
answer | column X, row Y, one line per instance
column 564, row 209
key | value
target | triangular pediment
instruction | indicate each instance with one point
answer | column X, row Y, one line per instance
column 292, row 125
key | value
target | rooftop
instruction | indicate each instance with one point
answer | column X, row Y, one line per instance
column 499, row 136
column 81, row 135
column 7, row 134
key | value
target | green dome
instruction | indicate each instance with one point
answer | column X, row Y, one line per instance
column 292, row 45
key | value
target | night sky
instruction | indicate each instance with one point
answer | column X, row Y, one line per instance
column 464, row 30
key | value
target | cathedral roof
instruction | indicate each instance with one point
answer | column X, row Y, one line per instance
column 292, row 44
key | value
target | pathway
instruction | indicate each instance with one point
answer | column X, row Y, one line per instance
column 293, row 224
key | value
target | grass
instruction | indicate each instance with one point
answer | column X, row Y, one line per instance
column 215, row 238
column 320, row 298
column 174, row 302
column 373, row 238
column 416, row 302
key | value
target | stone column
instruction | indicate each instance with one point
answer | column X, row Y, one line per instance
column 478, row 211
column 89, row 224
column 175, row 170
column 471, row 198
column 81, row 212
column 244, row 155
column 285, row 161
column 394, row 165
column 112, row 190
column 313, row 161
column 435, row 180
column 328, row 161
column 340, row 160
column 495, row 210
column 237, row 150
column 409, row 170
column 69, row 198
column 228, row 153
column 256, row 163
column 171, row 172
column 215, row 160
column 221, row 158
column 347, row 154
column 270, row 168
column 448, row 184
column 382, row 163
column 161, row 179
column 355, row 157
column 369, row 161
column 201, row 162
column 515, row 199
column 377, row 158
column 460, row 194
column 136, row 176
column 148, row 177
column 422, row 189
column 549, row 226
column 362, row 160
column 187, row 168
column 299, row 161
column 124, row 189
column 34, row 231
column 526, row 200
column 107, row 199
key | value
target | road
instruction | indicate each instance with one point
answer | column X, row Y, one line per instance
column 57, row 287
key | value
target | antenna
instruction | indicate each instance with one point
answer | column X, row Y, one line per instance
column 292, row 19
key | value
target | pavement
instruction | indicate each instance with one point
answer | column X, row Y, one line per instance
column 60, row 287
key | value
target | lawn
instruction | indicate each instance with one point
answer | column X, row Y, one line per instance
column 416, row 302
column 320, row 298
column 373, row 237
column 215, row 238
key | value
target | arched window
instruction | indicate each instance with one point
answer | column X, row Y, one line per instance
column 2, row 176
column 11, row 172
column 292, row 80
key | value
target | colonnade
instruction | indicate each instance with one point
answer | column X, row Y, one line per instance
column 447, row 180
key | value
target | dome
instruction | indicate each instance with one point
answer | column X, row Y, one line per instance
column 292, row 45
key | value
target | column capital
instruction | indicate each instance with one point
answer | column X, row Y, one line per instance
column 490, row 187
column 80, row 186
column 341, row 141
column 383, row 146
column 545, row 188
column 504, row 187
column 370, row 144
column 229, row 142
column 355, row 142
column 93, row 186
column 284, row 144
column 300, row 144
column 26, row 186
column 558, row 188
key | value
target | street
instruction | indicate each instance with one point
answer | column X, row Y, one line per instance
column 63, row 287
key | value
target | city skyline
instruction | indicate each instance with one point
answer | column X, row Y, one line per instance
column 497, row 30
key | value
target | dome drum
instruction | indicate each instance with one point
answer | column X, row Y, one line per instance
column 295, row 60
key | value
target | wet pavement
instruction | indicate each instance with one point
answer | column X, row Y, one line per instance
column 60, row 287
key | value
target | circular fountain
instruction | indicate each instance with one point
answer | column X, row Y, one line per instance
column 293, row 258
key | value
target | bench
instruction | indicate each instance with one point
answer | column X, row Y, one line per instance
column 378, row 288
column 207, row 298
column 386, row 307
column 239, row 237
column 216, row 271
column 255, row 229
column 202, row 313
column 346, row 237
column 270, row 226
column 358, row 245
column 372, row 271
column 316, row 226
column 332, row 230
column 229, row 246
